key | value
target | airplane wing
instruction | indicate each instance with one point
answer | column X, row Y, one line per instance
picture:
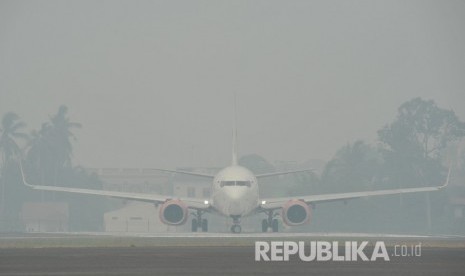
column 276, row 203
column 154, row 198
column 280, row 173
column 187, row 173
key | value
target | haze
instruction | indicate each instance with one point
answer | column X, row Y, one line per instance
column 152, row 82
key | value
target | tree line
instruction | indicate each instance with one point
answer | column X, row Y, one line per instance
column 411, row 151
column 414, row 150
column 46, row 155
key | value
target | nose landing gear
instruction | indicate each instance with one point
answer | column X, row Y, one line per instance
column 236, row 227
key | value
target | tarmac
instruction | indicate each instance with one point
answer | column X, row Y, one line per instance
column 211, row 254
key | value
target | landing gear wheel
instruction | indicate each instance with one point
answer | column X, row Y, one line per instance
column 274, row 225
column 204, row 225
column 270, row 222
column 264, row 225
column 236, row 228
column 195, row 225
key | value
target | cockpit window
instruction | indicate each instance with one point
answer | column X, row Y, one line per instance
column 235, row 183
column 228, row 183
column 243, row 183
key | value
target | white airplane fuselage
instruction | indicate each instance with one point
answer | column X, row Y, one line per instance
column 235, row 192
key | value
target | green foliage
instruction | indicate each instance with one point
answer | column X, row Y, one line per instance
column 410, row 155
column 304, row 183
column 48, row 162
column 256, row 164
column 413, row 143
column 50, row 147
column 354, row 168
column 292, row 184
column 422, row 129
column 10, row 131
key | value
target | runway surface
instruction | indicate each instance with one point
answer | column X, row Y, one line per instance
column 235, row 260
column 34, row 240
column 213, row 254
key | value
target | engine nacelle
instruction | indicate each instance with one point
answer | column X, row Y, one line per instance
column 173, row 212
column 296, row 212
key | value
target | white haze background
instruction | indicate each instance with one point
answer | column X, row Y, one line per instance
column 152, row 82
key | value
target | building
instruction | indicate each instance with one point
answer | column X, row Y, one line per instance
column 137, row 217
column 140, row 217
column 45, row 216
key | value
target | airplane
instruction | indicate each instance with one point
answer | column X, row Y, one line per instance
column 234, row 195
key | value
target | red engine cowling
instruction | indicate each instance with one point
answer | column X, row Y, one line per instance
column 296, row 212
column 173, row 212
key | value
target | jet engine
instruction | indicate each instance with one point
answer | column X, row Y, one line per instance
column 296, row 212
column 173, row 212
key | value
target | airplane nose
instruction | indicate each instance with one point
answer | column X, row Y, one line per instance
column 235, row 202
column 236, row 193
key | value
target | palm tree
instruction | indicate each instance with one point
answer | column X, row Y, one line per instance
column 10, row 132
column 40, row 154
column 50, row 148
column 60, row 134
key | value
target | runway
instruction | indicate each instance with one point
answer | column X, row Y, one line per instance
column 212, row 254
column 235, row 260
column 104, row 239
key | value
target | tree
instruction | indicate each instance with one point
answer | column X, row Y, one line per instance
column 50, row 148
column 39, row 155
column 49, row 158
column 270, row 186
column 353, row 168
column 60, row 134
column 303, row 183
column 412, row 149
column 10, row 132
column 48, row 162
column 414, row 141
column 256, row 164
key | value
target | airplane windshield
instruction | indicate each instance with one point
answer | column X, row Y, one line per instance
column 235, row 183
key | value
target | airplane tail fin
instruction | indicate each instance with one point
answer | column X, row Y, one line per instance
column 234, row 136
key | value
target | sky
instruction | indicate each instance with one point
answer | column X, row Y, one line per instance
column 152, row 82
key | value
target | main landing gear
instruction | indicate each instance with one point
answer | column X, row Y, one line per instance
column 236, row 227
column 270, row 222
column 198, row 222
